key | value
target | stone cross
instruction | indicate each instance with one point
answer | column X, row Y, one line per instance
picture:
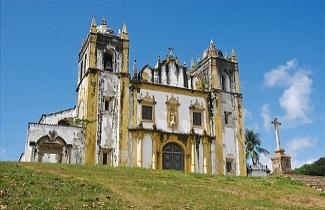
column 277, row 124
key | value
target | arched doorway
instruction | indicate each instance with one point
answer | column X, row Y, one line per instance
column 173, row 157
column 51, row 149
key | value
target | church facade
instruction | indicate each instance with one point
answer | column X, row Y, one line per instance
column 169, row 116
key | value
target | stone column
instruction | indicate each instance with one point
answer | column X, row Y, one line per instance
column 139, row 148
column 205, row 154
column 154, row 150
column 193, row 144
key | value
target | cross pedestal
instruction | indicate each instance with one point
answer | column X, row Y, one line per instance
column 281, row 163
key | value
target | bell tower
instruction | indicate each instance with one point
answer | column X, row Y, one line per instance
column 103, row 82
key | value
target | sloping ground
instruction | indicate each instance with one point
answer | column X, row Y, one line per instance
column 54, row 186
column 317, row 182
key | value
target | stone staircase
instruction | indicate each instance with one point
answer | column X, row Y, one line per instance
column 317, row 182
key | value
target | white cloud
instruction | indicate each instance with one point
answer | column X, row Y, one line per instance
column 280, row 74
column 295, row 99
column 300, row 143
column 247, row 114
column 266, row 116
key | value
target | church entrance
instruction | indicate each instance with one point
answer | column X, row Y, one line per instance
column 173, row 157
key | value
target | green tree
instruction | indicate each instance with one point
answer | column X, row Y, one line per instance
column 253, row 146
column 315, row 169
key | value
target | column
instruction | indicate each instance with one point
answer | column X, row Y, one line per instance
column 193, row 155
column 154, row 151
column 205, row 154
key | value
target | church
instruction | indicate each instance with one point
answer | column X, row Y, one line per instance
column 164, row 116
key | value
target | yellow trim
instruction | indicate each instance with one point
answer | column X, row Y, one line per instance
column 124, row 121
column 174, row 139
column 241, row 139
column 218, row 132
column 91, row 103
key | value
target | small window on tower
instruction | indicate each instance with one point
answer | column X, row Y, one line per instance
column 146, row 112
column 197, row 118
column 106, row 105
column 227, row 118
column 223, row 82
column 108, row 62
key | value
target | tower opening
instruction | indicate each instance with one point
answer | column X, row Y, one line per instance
column 108, row 62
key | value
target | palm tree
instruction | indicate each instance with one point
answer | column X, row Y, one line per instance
column 253, row 146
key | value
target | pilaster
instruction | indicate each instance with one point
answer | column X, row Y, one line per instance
column 219, row 142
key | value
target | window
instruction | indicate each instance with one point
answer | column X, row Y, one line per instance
column 197, row 114
column 197, row 119
column 146, row 112
column 223, row 82
column 106, row 105
column 227, row 118
column 108, row 62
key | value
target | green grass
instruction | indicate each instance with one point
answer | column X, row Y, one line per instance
column 55, row 186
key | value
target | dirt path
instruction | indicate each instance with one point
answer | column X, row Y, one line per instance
column 317, row 182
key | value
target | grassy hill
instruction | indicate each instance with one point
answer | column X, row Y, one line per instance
column 55, row 186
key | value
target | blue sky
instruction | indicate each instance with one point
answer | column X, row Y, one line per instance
column 279, row 45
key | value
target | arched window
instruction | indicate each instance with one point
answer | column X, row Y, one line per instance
column 223, row 82
column 108, row 62
column 64, row 122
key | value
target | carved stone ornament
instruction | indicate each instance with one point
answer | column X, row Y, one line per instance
column 52, row 135
column 172, row 112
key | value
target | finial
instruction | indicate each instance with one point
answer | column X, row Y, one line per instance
column 233, row 55
column 211, row 43
column 158, row 59
column 124, row 34
column 93, row 25
column 192, row 63
column 184, row 64
column 135, row 72
column 104, row 21
column 170, row 50
column 198, row 59
column 124, row 30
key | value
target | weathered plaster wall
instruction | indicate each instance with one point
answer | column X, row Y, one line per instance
column 161, row 111
column 54, row 118
column 71, row 135
column 147, row 151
